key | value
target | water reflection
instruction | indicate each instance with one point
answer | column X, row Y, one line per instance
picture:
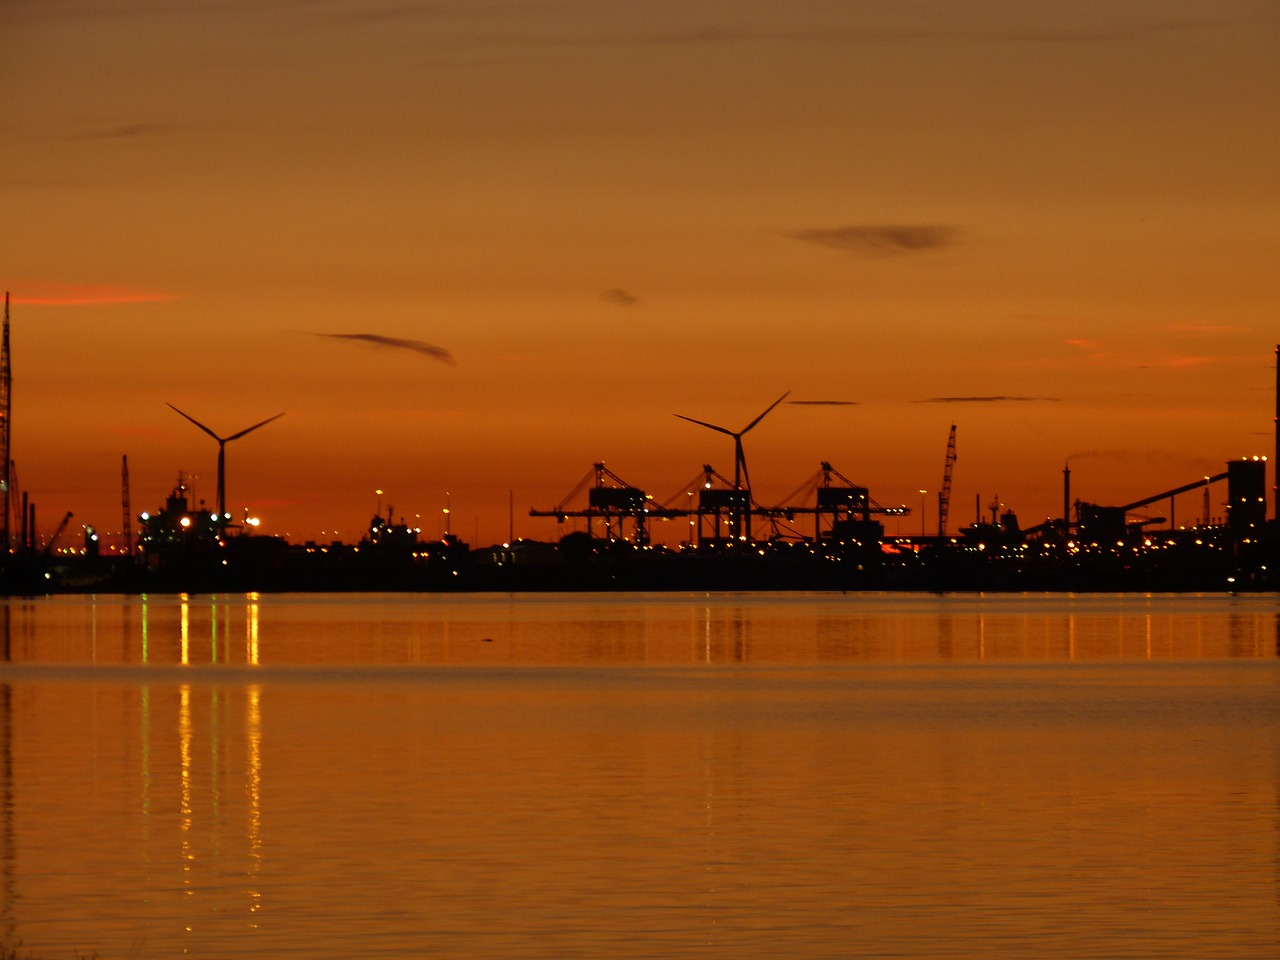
column 199, row 802
column 262, row 776
column 203, row 809
column 7, row 844
column 632, row 629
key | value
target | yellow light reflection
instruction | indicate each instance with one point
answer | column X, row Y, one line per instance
column 251, row 630
column 253, row 788
column 145, row 743
column 184, row 803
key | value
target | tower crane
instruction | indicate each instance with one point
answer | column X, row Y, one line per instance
column 944, row 495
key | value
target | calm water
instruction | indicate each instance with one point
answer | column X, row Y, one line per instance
column 631, row 776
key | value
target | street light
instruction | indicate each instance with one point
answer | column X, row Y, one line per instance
column 922, row 493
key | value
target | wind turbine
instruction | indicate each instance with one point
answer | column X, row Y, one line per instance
column 222, row 455
column 740, row 474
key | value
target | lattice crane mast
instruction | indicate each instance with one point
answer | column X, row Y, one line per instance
column 944, row 495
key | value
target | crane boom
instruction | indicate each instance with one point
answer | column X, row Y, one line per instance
column 944, row 495
column 53, row 540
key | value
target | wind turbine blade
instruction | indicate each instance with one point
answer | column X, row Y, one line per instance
column 237, row 436
column 709, row 426
column 766, row 412
column 193, row 420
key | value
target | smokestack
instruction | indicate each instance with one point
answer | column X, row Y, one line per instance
column 1066, row 500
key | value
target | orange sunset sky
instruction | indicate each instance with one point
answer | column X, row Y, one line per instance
column 1056, row 225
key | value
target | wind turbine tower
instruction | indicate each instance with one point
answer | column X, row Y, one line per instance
column 741, row 478
column 5, row 384
column 222, row 456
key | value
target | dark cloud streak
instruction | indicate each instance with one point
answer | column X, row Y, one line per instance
column 394, row 343
column 126, row 131
column 624, row 298
column 992, row 399
column 873, row 240
column 825, row 403
column 724, row 32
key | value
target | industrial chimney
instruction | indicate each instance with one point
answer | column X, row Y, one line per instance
column 1066, row 500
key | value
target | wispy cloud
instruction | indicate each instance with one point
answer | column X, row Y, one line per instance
column 881, row 240
column 1182, row 360
column 394, row 343
column 50, row 294
column 605, row 34
column 1119, row 354
column 592, row 27
column 1152, row 456
column 124, row 131
column 1206, row 328
column 624, row 298
column 1043, row 318
column 1110, row 33
column 1084, row 343
column 825, row 403
column 1000, row 398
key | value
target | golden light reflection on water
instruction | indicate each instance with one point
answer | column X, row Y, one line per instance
column 251, row 629
column 634, row 629
column 184, row 626
column 253, row 793
column 368, row 778
column 184, row 785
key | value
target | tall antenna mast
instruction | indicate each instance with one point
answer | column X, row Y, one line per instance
column 124, row 506
column 5, row 384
